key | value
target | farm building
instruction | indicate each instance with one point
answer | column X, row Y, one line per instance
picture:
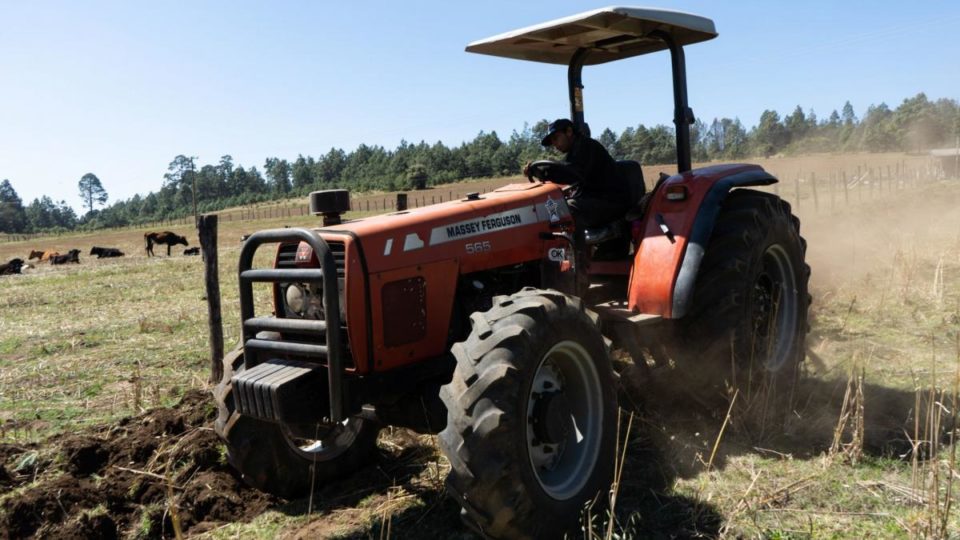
column 948, row 160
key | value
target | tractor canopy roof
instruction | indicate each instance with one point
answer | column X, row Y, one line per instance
column 610, row 33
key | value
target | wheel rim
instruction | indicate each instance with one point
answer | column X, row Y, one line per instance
column 564, row 420
column 775, row 309
column 330, row 441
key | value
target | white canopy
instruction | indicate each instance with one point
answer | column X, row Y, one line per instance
column 611, row 33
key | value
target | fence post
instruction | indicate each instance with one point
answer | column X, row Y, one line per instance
column 797, row 184
column 207, row 230
column 401, row 202
column 816, row 200
column 833, row 187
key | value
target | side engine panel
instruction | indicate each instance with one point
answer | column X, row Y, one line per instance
column 406, row 278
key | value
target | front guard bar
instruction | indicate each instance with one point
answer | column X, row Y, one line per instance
column 325, row 275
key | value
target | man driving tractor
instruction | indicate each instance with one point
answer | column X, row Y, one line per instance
column 600, row 196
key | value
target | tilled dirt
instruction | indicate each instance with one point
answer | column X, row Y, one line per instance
column 142, row 477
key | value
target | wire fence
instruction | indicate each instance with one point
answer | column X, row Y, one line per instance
column 821, row 190
column 361, row 204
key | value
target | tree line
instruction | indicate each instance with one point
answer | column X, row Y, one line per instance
column 916, row 125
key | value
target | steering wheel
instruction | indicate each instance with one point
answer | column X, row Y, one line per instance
column 558, row 172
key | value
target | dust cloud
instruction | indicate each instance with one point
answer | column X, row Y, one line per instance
column 866, row 238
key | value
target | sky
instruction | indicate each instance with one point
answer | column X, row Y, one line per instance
column 120, row 88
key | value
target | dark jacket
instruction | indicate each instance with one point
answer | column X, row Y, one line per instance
column 597, row 168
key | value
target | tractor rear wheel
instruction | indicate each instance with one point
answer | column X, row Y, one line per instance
column 750, row 301
column 531, row 416
column 272, row 459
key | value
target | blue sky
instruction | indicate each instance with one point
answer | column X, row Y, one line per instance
column 120, row 88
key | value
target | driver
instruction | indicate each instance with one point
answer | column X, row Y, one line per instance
column 600, row 197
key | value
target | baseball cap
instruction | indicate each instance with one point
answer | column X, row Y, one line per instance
column 559, row 124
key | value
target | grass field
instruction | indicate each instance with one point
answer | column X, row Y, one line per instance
column 865, row 453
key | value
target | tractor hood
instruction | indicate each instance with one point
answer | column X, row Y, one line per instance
column 441, row 232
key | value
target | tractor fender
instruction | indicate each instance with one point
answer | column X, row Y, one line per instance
column 675, row 234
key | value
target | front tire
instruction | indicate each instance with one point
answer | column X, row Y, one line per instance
column 531, row 421
column 272, row 459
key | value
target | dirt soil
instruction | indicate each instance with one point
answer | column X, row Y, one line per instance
column 142, row 477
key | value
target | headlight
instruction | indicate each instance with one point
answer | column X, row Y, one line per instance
column 295, row 298
column 306, row 301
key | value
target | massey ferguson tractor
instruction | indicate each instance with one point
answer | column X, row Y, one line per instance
column 488, row 320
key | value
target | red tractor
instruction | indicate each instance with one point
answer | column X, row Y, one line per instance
column 478, row 320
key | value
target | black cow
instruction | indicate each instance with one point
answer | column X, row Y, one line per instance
column 192, row 251
column 102, row 252
column 12, row 266
column 72, row 256
column 165, row 237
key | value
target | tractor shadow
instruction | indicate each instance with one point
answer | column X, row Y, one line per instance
column 675, row 426
column 402, row 495
column 684, row 421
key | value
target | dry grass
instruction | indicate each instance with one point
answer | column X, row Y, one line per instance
column 867, row 450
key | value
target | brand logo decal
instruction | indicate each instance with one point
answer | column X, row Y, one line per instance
column 483, row 225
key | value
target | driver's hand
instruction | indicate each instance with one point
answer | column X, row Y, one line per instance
column 526, row 172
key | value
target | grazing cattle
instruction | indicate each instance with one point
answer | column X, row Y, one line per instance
column 192, row 251
column 42, row 255
column 12, row 266
column 71, row 256
column 102, row 252
column 165, row 237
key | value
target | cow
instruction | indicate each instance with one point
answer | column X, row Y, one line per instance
column 102, row 252
column 12, row 266
column 42, row 255
column 71, row 256
column 192, row 251
column 165, row 237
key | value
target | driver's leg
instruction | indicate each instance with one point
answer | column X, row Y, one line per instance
column 591, row 212
column 594, row 211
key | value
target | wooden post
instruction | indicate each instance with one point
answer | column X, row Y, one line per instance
column 402, row 202
column 832, row 185
column 816, row 199
column 207, row 230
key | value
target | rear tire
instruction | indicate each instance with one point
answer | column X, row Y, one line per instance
column 750, row 302
column 531, row 416
column 270, row 459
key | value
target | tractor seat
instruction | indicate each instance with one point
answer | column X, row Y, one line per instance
column 630, row 173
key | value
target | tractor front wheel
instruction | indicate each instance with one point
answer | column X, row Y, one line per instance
column 272, row 459
column 531, row 416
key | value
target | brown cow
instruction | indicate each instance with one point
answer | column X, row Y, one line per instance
column 165, row 237
column 71, row 256
column 42, row 255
